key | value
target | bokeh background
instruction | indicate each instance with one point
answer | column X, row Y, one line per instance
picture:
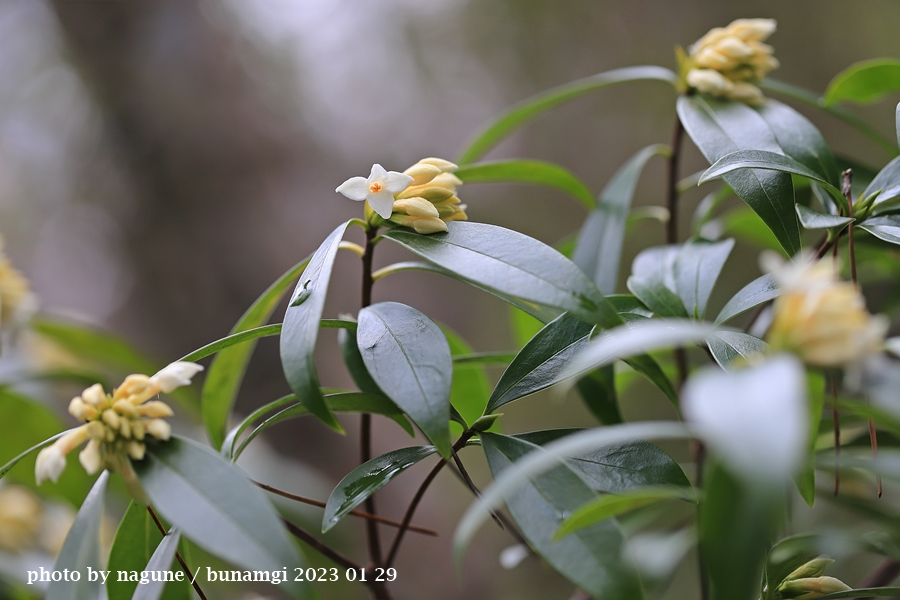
column 162, row 161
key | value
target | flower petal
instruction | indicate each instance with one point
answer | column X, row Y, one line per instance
column 176, row 375
column 382, row 202
column 354, row 188
column 395, row 182
column 378, row 173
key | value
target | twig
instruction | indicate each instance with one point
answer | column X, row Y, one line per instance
column 471, row 484
column 180, row 558
column 355, row 513
column 848, row 194
column 882, row 576
column 508, row 525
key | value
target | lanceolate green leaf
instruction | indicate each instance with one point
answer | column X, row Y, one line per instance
column 538, row 365
column 95, row 345
column 885, row 228
column 160, row 562
column 727, row 346
column 366, row 479
column 612, row 505
column 407, row 355
column 81, row 550
column 598, row 392
column 697, row 269
column 884, row 592
column 470, row 389
column 592, row 557
column 225, row 373
column 301, row 328
column 658, row 298
column 527, row 171
column 761, row 289
column 215, row 506
column 719, row 128
column 231, row 340
column 598, row 249
column 864, row 82
column 811, row 219
column 228, row 446
column 528, row 109
column 887, row 181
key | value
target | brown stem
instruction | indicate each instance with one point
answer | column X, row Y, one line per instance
column 887, row 572
column 848, row 194
column 355, row 513
column 420, row 493
column 471, row 484
column 507, row 525
column 180, row 558
column 672, row 182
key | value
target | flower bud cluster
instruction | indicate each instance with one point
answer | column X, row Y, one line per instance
column 728, row 61
column 429, row 202
column 116, row 424
column 820, row 318
column 17, row 302
column 809, row 581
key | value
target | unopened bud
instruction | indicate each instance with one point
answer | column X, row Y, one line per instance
column 159, row 429
column 416, row 207
column 94, row 395
column 422, row 173
column 444, row 165
column 814, row 568
column 813, row 587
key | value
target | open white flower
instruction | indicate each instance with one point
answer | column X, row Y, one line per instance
column 378, row 190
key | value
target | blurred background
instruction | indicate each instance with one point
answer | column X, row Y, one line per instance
column 161, row 162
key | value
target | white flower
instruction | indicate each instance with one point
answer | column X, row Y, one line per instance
column 175, row 375
column 378, row 190
column 51, row 461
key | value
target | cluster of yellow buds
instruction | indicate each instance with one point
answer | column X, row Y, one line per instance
column 116, row 424
column 20, row 518
column 17, row 302
column 819, row 317
column 429, row 202
column 728, row 61
column 809, row 581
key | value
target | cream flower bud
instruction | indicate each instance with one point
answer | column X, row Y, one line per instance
column 752, row 29
column 82, row 410
column 138, row 429
column 94, row 395
column 814, row 568
column 111, row 418
column 175, row 375
column 90, row 457
column 136, row 450
column 432, row 193
column 746, row 92
column 423, row 225
column 813, row 587
column 422, row 173
column 709, row 81
column 96, row 430
column 51, row 461
column 155, row 409
column 709, row 58
column 125, row 428
column 444, row 165
column 159, row 429
column 416, row 207
column 17, row 301
column 135, row 389
column 126, row 409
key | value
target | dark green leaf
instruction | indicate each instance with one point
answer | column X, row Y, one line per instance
column 727, row 346
column 81, row 550
column 225, row 373
column 592, row 557
column 366, row 479
column 301, row 328
column 658, row 298
column 214, row 505
column 407, row 355
column 135, row 541
column 354, row 361
column 528, row 109
column 761, row 289
column 864, row 82
column 884, row 592
column 720, row 128
column 231, row 340
column 626, row 303
column 470, row 389
column 538, row 365
column 811, row 219
column 885, row 228
column 598, row 391
column 598, row 249
column 697, row 269
column 612, row 505
column 527, row 171
column 161, row 561
column 888, row 182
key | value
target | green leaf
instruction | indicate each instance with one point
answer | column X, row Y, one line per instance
column 407, row 355
column 225, row 373
column 214, row 505
column 626, row 303
column 658, row 298
column 883, row 592
column 161, row 561
column 697, row 269
column 528, row 109
column 742, row 223
column 301, row 328
column 135, row 541
column 231, row 340
column 354, row 361
column 363, row 481
column 888, row 182
column 538, row 365
column 864, row 82
column 228, row 446
column 592, row 557
column 805, row 478
column 470, row 389
column 812, row 219
column 527, row 171
column 598, row 392
column 727, row 346
column 885, row 228
column 81, row 550
column 95, row 345
column 762, row 289
column 612, row 505
column 719, row 128
column 598, row 249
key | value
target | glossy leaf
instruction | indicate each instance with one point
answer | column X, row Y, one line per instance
column 527, row 171
column 231, row 340
column 470, row 389
column 612, row 505
column 720, row 128
column 354, row 361
column 134, row 544
column 811, row 219
column 363, row 481
column 538, row 365
column 626, row 303
column 598, row 392
column 887, row 183
column 407, row 355
column 864, row 82
column 528, row 109
column 81, row 550
column 590, row 558
column 658, row 298
column 226, row 371
column 214, row 505
column 885, row 228
column 301, row 328
column 598, row 249
column 762, row 289
column 697, row 269
column 161, row 561
column 728, row 346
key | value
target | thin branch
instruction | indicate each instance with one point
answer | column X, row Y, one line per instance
column 848, row 194
column 180, row 558
column 508, row 525
column 882, row 576
column 471, row 484
column 333, row 555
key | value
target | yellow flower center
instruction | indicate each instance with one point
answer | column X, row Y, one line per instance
column 375, row 187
